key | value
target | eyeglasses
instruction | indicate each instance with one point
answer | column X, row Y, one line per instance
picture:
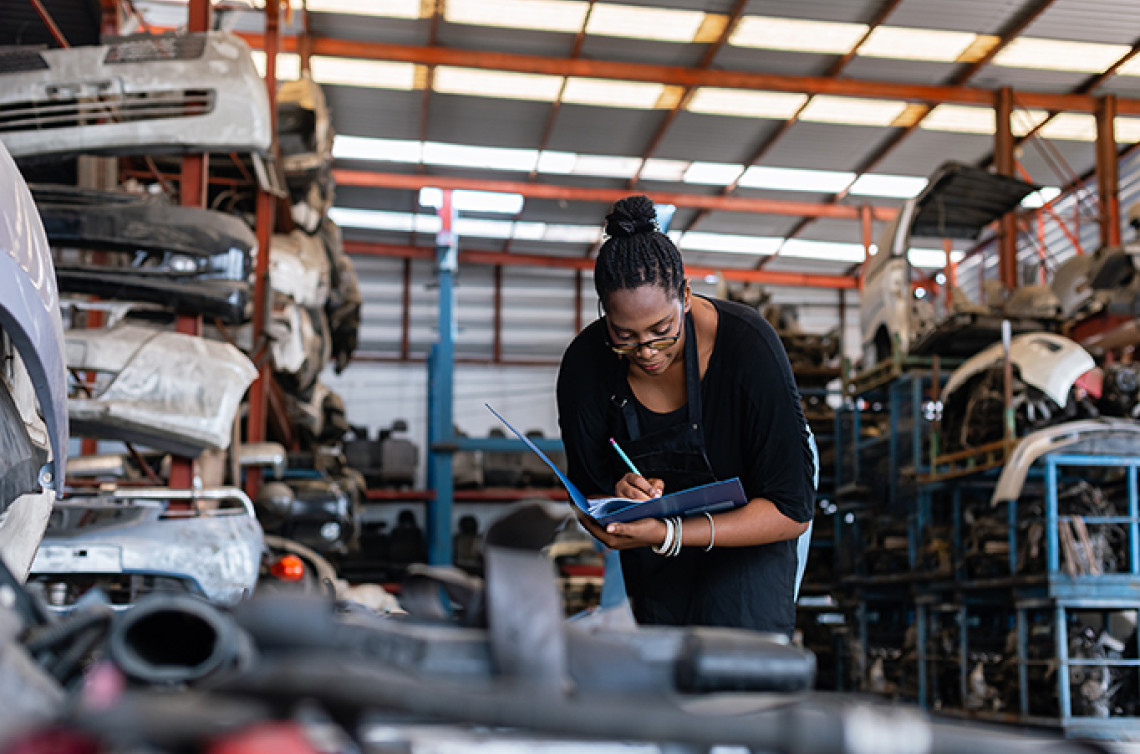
column 654, row 344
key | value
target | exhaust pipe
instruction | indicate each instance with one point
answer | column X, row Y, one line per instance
column 173, row 639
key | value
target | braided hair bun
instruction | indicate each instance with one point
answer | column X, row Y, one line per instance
column 632, row 215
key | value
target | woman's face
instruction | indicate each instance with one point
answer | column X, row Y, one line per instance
column 647, row 325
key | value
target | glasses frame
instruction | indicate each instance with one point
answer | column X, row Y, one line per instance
column 654, row 344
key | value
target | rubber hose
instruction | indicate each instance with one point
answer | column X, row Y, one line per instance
column 45, row 637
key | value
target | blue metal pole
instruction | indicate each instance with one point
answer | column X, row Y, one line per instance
column 1134, row 522
column 441, row 394
column 1052, row 544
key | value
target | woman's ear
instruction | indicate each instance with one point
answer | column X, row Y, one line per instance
column 687, row 295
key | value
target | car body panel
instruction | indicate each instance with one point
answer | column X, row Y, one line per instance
column 138, row 95
column 1051, row 363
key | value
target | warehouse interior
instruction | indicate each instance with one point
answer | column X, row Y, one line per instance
column 277, row 275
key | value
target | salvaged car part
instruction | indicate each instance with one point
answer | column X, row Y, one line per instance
column 958, row 202
column 300, row 343
column 165, row 390
column 134, row 541
column 1045, row 369
column 304, row 130
column 299, row 268
column 33, row 379
column 136, row 95
column 343, row 305
column 1104, row 281
column 191, row 260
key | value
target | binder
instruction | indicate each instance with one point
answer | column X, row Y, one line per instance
column 712, row 497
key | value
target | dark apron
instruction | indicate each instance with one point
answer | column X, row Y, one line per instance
column 661, row 589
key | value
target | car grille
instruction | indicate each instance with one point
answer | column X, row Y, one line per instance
column 35, row 115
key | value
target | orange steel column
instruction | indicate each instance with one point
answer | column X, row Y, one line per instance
column 266, row 220
column 192, row 193
column 1005, row 165
column 1107, row 175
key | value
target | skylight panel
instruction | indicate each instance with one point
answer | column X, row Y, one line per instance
column 1059, row 55
column 1041, row 197
column 657, row 24
column 932, row 259
column 288, row 65
column 978, row 120
column 892, row 186
column 664, row 170
column 480, row 228
column 473, row 201
column 604, row 93
column 900, row 43
column 605, row 166
column 537, row 15
column 485, row 158
column 1127, row 130
column 503, row 84
column 794, row 35
column 377, row 74
column 712, row 173
column 410, row 9
column 727, row 242
column 852, row 111
column 528, row 231
column 572, row 233
column 795, row 179
column 1070, row 127
column 561, row 163
column 402, row 222
column 745, row 103
column 390, row 150
column 827, row 251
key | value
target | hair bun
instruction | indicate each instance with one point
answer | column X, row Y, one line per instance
column 634, row 214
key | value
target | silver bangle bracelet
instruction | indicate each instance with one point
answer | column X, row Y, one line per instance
column 666, row 546
column 712, row 531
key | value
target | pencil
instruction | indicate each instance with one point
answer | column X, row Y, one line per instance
column 624, row 457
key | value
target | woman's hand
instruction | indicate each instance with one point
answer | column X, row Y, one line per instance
column 637, row 487
column 645, row 532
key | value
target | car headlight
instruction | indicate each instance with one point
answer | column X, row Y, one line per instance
column 330, row 532
column 182, row 263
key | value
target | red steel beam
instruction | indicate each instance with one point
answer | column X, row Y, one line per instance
column 1107, row 173
column 682, row 76
column 1005, row 164
column 472, row 256
column 410, row 182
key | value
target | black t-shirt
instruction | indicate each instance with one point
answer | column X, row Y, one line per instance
column 753, row 428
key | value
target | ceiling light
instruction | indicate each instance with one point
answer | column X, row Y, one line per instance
column 537, row 15
column 378, row 74
column 664, row 170
column 288, row 65
column 828, row 251
column 473, row 201
column 745, row 103
column 1070, row 127
column 852, row 111
column 1059, row 55
column 657, row 24
column 795, row 35
column 606, row 167
column 556, row 162
column 900, row 43
column 631, row 94
column 485, row 158
column 794, row 179
column 382, row 8
column 390, row 150
column 507, row 85
column 893, row 186
column 932, row 259
column 712, row 173
column 699, row 241
column 1041, row 197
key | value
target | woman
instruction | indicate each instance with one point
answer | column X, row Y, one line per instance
column 693, row 390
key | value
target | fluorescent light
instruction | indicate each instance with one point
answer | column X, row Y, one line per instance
column 745, row 103
column 377, row 74
column 503, row 84
column 605, row 166
column 1059, row 55
column 556, row 162
column 572, row 233
column 828, row 251
column 537, row 15
column 288, row 65
column 932, row 259
column 852, row 111
column 794, row 179
column 403, row 222
column 900, row 43
column 979, row 120
column 657, row 24
column 473, row 201
column 410, row 9
column 1041, row 197
column 794, row 35
column 894, row 186
column 712, row 173
column 699, row 241
column 631, row 94
column 390, row 150
column 664, row 170
column 485, row 158
column 1070, row 127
